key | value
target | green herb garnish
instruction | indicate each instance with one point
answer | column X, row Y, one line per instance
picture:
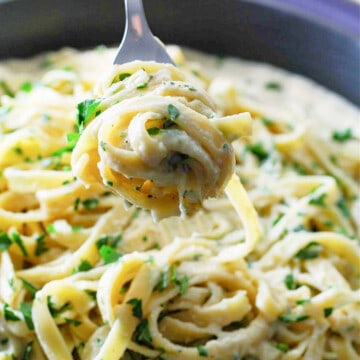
column 153, row 131
column 109, row 254
column 83, row 266
column 258, row 150
column 9, row 314
column 6, row 89
column 27, row 350
column 29, row 287
column 341, row 204
column 91, row 203
column 293, row 318
column 272, row 85
column 328, row 311
column 319, row 200
column 142, row 86
column 202, row 350
column 55, row 311
column 40, row 245
column 136, row 307
column 342, row 135
column 289, row 281
column 282, row 347
column 5, row 241
column 173, row 112
column 310, row 251
column 86, row 110
column 25, row 309
column 26, row 86
column 124, row 76
column 19, row 242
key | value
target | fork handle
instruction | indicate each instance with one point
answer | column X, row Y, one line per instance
column 136, row 23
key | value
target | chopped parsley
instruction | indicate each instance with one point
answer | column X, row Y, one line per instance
column 266, row 121
column 73, row 322
column 76, row 228
column 103, row 145
column 136, row 307
column 29, row 287
column 27, row 350
column 25, row 309
column 26, row 86
column 202, row 350
column 166, row 278
column 342, row 135
column 9, row 314
column 272, row 85
column 55, row 311
column 19, row 242
column 302, row 301
column 142, row 86
column 6, row 89
column 153, row 131
column 123, row 76
column 258, row 150
column 40, row 245
column 289, row 282
column 142, row 333
column 282, row 347
column 173, row 112
column 328, row 311
column 319, row 200
column 310, row 251
column 83, row 266
column 86, row 110
column 72, row 138
column 51, row 228
column 293, row 318
column 341, row 204
column 91, row 203
column 109, row 254
column 110, row 240
column 5, row 241
column 278, row 218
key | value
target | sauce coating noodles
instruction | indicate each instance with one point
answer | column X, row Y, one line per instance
column 270, row 271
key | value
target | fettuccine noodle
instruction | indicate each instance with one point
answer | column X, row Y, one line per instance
column 269, row 269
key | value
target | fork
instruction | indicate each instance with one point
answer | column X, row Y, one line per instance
column 138, row 42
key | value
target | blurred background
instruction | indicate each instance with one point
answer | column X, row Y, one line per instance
column 316, row 38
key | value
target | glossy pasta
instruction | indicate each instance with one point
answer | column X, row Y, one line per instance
column 269, row 270
column 152, row 141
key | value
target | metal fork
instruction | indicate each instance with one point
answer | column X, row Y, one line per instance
column 138, row 42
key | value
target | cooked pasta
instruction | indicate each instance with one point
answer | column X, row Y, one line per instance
column 267, row 270
column 152, row 141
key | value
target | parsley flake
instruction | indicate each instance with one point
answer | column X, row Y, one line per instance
column 289, row 282
column 173, row 112
column 86, row 110
column 202, row 350
column 328, row 311
column 40, row 245
column 25, row 309
column 258, row 150
column 9, row 314
column 136, row 307
column 310, row 251
column 29, row 287
column 5, row 241
column 342, row 135
column 109, row 254
column 293, row 318
column 19, row 242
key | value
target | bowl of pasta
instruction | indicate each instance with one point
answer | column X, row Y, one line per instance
column 203, row 210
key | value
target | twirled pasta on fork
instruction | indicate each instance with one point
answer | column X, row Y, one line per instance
column 156, row 139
